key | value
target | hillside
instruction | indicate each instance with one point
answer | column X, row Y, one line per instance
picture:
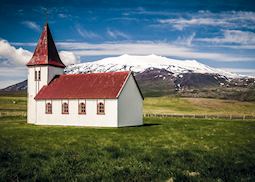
column 159, row 76
column 18, row 89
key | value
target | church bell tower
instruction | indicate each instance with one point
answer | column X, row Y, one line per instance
column 42, row 68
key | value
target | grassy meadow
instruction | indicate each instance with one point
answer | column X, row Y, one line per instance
column 164, row 149
column 178, row 105
column 10, row 105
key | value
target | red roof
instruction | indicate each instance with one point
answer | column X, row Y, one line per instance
column 86, row 86
column 46, row 52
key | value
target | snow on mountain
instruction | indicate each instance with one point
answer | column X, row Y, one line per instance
column 141, row 63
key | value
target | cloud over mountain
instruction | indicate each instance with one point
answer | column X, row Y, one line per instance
column 9, row 55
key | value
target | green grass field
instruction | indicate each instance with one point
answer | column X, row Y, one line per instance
column 165, row 149
column 175, row 105
column 13, row 105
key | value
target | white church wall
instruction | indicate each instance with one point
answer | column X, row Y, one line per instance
column 34, row 86
column 130, row 105
column 91, row 118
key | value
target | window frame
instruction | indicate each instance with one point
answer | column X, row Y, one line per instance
column 99, row 111
column 82, row 110
column 65, row 108
column 48, row 108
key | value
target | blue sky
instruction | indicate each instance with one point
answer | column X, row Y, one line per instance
column 218, row 33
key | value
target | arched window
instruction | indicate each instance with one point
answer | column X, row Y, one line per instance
column 65, row 108
column 48, row 108
column 82, row 108
column 100, row 108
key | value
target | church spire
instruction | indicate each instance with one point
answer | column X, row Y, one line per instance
column 46, row 52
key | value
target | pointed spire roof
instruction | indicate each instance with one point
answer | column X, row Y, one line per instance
column 46, row 52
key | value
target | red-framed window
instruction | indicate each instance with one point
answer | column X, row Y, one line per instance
column 65, row 108
column 100, row 108
column 82, row 108
column 48, row 108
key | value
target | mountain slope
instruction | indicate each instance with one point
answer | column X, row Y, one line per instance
column 16, row 89
column 158, row 76
column 141, row 63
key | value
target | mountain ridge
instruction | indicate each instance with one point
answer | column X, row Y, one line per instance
column 159, row 76
column 141, row 63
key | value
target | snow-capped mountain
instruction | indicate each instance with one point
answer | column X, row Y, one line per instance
column 158, row 76
column 141, row 63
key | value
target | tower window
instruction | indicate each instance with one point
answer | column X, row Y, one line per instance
column 100, row 108
column 82, row 108
column 65, row 108
column 48, row 108
column 39, row 75
column 35, row 75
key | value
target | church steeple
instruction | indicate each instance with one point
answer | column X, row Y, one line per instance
column 46, row 52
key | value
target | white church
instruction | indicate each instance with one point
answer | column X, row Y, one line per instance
column 111, row 99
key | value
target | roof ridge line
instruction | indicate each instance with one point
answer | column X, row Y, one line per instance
column 77, row 74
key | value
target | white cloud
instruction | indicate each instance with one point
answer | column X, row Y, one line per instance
column 124, row 19
column 242, row 71
column 180, row 49
column 65, row 15
column 9, row 55
column 32, row 25
column 13, row 60
column 232, row 36
column 186, row 40
column 13, row 56
column 148, row 47
column 116, row 34
column 31, row 44
column 86, row 33
column 248, row 47
column 68, row 57
column 233, row 19
column 182, row 23
column 62, row 15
